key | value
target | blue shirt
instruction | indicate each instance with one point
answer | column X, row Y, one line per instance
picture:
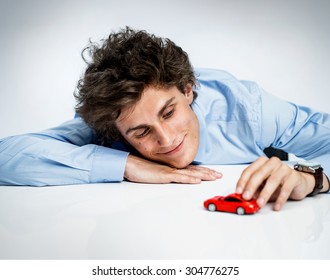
column 237, row 119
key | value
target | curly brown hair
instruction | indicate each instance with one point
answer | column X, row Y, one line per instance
column 120, row 69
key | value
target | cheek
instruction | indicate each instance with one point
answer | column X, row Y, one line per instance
column 143, row 147
column 190, row 122
column 182, row 121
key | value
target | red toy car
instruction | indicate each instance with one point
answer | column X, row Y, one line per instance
column 233, row 203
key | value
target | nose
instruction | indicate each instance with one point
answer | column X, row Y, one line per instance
column 164, row 135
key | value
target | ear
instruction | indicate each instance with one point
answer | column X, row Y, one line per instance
column 189, row 93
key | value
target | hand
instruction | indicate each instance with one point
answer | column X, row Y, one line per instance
column 144, row 171
column 270, row 179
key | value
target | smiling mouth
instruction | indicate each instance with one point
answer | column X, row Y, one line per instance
column 174, row 150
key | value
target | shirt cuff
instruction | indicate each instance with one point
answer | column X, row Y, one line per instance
column 108, row 165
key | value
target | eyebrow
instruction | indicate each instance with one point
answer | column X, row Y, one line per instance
column 160, row 113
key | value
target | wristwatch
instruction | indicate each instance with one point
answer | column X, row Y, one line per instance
column 315, row 169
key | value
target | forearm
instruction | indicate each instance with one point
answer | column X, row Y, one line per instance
column 30, row 160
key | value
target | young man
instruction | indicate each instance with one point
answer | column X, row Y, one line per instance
column 147, row 116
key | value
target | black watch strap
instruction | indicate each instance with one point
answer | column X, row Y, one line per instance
column 318, row 175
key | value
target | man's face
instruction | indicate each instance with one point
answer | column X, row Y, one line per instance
column 162, row 126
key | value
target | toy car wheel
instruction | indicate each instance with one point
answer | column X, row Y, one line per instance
column 211, row 207
column 240, row 211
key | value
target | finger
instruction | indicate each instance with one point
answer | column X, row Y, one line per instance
column 289, row 184
column 275, row 182
column 247, row 173
column 183, row 177
column 257, row 178
column 205, row 172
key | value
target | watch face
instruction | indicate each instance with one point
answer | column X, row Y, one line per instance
column 307, row 166
column 312, row 164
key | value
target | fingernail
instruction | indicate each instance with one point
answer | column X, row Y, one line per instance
column 239, row 189
column 246, row 195
column 197, row 180
column 277, row 206
column 261, row 201
column 218, row 174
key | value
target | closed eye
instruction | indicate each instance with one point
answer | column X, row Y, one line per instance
column 168, row 113
column 143, row 133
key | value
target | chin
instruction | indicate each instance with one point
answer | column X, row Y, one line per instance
column 179, row 164
column 182, row 160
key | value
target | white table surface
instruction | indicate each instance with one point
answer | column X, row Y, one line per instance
column 147, row 221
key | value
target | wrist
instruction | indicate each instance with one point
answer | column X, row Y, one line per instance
column 131, row 163
column 314, row 169
column 309, row 182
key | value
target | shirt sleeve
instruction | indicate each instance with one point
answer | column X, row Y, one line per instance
column 63, row 155
column 296, row 129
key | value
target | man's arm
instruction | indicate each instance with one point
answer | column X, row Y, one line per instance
column 63, row 155
column 295, row 129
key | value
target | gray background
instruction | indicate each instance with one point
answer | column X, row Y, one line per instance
column 283, row 45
